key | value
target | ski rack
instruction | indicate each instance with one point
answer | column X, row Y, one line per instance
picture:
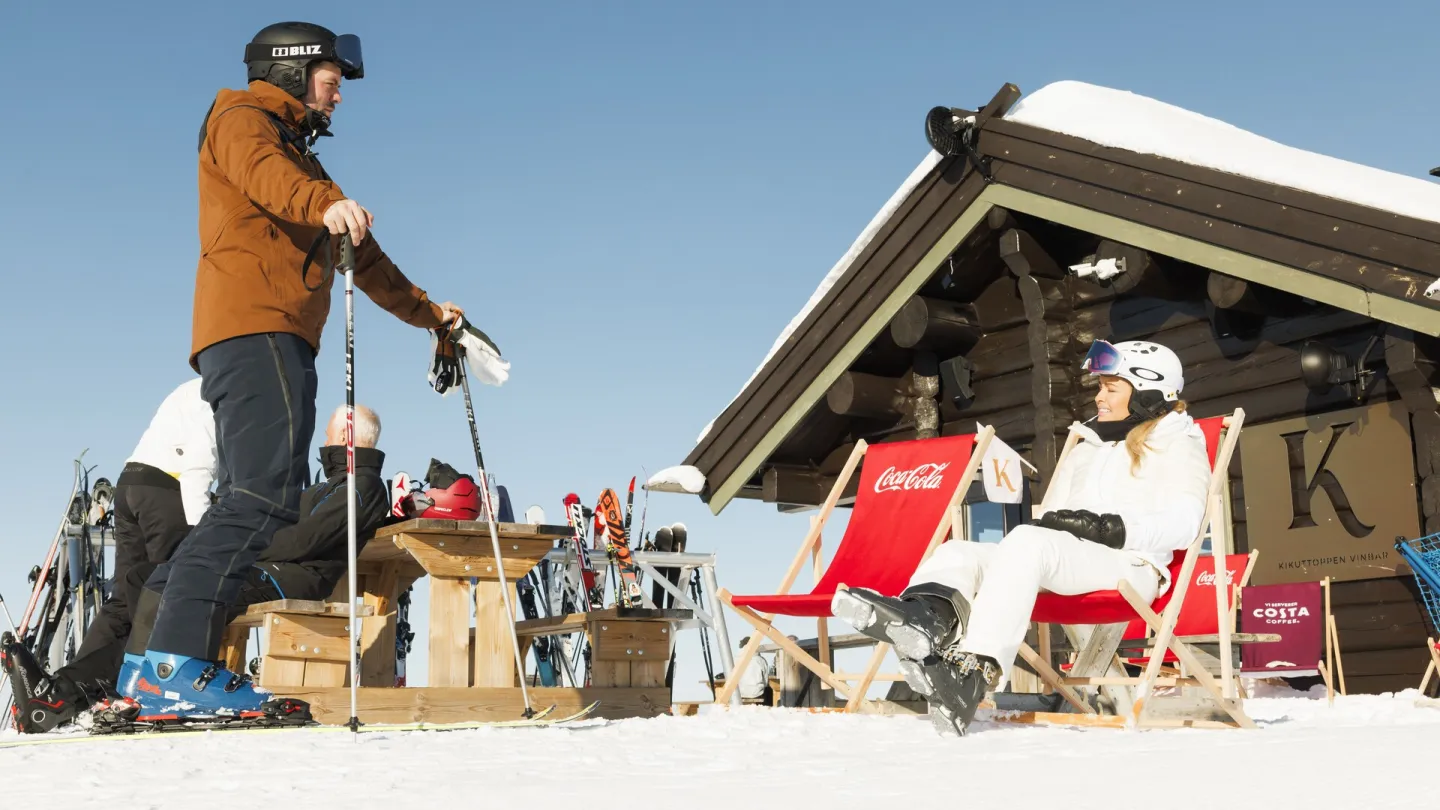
column 70, row 589
column 710, row 615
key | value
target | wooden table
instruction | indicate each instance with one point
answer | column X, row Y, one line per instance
column 453, row 553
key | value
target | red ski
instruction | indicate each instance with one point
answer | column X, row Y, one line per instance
column 619, row 544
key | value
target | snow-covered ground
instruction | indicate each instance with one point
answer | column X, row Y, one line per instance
column 1368, row 752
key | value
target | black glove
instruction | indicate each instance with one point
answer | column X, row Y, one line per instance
column 444, row 362
column 1107, row 530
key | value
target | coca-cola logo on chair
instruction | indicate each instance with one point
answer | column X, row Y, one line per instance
column 925, row 476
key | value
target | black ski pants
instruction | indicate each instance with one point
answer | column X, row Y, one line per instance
column 262, row 389
column 149, row 524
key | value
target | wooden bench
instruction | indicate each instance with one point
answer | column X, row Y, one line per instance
column 628, row 646
column 302, row 642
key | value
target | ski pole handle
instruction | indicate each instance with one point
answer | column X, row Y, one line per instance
column 347, row 252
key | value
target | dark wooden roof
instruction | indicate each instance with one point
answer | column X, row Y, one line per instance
column 1348, row 256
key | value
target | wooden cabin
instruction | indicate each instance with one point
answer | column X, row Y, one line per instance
column 975, row 294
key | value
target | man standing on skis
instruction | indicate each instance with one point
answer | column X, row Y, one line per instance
column 265, row 201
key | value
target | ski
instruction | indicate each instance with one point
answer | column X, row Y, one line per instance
column 541, row 718
column 576, row 512
column 525, row 590
column 627, row 575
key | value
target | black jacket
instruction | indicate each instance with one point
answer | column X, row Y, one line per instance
column 309, row 558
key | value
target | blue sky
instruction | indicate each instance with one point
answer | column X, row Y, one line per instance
column 631, row 198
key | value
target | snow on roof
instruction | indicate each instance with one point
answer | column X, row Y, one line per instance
column 680, row 479
column 1125, row 120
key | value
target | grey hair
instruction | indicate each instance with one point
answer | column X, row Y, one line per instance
column 367, row 425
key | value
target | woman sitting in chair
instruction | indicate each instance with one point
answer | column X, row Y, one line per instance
column 1130, row 494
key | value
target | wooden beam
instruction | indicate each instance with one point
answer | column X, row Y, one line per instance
column 946, row 327
column 331, row 706
column 1238, row 295
column 784, row 485
column 865, row 395
column 1025, row 257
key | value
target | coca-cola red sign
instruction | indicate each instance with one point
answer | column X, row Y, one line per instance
column 925, row 476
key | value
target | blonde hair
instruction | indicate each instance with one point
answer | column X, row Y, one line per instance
column 1135, row 439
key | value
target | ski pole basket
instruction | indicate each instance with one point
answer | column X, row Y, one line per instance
column 1423, row 557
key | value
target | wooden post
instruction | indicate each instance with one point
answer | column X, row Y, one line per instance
column 822, row 626
column 494, row 660
column 1222, row 591
column 450, row 631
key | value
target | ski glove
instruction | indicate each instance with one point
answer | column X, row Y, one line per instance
column 484, row 358
column 1107, row 530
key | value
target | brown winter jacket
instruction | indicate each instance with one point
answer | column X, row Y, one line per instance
column 262, row 202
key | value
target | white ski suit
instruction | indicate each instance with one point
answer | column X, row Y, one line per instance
column 1162, row 505
column 180, row 441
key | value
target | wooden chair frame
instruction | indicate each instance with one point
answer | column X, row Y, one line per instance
column 811, row 547
column 1102, row 646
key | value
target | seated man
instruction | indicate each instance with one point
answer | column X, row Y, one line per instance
column 1129, row 496
column 304, row 561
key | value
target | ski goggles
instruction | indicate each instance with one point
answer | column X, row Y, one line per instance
column 1103, row 358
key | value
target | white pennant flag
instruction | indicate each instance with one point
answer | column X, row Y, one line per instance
column 1003, row 471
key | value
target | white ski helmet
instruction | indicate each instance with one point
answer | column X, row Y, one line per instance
column 1146, row 366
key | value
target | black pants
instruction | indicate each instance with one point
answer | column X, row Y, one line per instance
column 149, row 524
column 262, row 389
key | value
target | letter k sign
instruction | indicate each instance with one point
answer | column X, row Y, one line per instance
column 1302, row 492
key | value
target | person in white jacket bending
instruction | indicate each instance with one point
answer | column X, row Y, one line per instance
column 1131, row 493
column 160, row 494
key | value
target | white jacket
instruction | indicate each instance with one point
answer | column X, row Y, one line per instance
column 181, row 442
column 1162, row 505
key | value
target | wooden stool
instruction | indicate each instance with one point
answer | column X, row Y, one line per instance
column 302, row 643
column 628, row 646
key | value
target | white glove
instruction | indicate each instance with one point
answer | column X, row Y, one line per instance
column 486, row 364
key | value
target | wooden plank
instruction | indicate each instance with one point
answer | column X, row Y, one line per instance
column 381, row 592
column 507, row 531
column 610, row 673
column 1306, row 257
column 575, row 622
column 473, row 555
column 326, row 674
column 493, row 654
column 1100, row 720
column 459, row 705
column 648, row 675
column 232, row 647
column 449, row 632
column 627, row 640
column 308, row 638
column 1203, row 198
column 254, row 614
column 279, row 673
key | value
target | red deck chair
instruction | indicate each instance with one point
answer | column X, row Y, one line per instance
column 904, row 508
column 1123, row 606
column 1197, row 619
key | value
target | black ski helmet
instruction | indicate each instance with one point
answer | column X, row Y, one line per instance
column 281, row 54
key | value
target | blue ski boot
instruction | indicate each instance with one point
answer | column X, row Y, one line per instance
column 176, row 689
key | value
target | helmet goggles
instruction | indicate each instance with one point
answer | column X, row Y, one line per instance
column 1103, row 358
column 344, row 51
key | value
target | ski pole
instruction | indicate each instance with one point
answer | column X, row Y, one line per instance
column 347, row 259
column 494, row 531
column 8, row 620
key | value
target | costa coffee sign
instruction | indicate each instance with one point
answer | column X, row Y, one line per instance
column 925, row 476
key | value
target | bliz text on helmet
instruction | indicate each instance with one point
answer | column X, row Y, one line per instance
column 295, row 50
